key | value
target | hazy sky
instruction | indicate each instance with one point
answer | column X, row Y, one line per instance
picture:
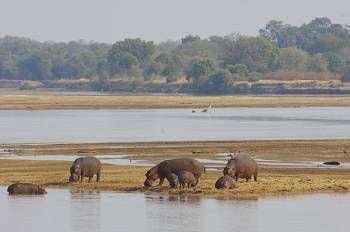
column 159, row 20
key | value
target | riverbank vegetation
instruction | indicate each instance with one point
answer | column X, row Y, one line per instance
column 311, row 58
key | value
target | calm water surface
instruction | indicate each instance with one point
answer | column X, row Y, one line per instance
column 77, row 126
column 65, row 210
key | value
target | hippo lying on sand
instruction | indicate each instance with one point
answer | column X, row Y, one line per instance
column 166, row 167
column 85, row 167
column 242, row 166
column 25, row 189
column 225, row 182
column 187, row 178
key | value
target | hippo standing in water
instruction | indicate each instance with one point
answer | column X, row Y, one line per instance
column 225, row 182
column 242, row 166
column 25, row 189
column 188, row 178
column 166, row 167
column 85, row 167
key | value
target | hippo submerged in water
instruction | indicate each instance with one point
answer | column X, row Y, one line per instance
column 225, row 182
column 242, row 166
column 167, row 167
column 25, row 189
column 85, row 167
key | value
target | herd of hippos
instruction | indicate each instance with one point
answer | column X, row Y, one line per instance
column 183, row 172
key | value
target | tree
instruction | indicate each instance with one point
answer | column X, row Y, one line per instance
column 334, row 61
column 36, row 66
column 199, row 68
column 239, row 69
column 218, row 82
column 190, row 39
column 125, row 54
column 8, row 67
column 257, row 53
column 282, row 35
column 293, row 59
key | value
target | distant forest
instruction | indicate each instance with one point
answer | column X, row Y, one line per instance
column 317, row 51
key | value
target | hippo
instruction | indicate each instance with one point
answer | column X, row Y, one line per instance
column 166, row 167
column 225, row 182
column 188, row 178
column 242, row 166
column 25, row 189
column 85, row 167
column 173, row 180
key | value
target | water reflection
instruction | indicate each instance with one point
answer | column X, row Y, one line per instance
column 77, row 211
column 85, row 210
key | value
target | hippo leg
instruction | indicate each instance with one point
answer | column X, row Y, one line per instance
column 256, row 176
column 161, row 181
column 98, row 176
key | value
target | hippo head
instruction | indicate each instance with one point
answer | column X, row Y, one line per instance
column 230, row 171
column 75, row 172
column 41, row 190
column 151, row 175
column 73, row 177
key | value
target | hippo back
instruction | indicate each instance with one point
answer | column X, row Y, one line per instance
column 225, row 182
column 182, row 164
column 25, row 189
column 89, row 165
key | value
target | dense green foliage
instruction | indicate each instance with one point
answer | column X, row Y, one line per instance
column 208, row 65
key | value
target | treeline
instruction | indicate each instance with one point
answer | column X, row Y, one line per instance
column 318, row 50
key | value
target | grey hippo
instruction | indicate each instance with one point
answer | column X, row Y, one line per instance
column 242, row 166
column 85, row 167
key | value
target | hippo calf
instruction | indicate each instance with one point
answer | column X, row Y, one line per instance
column 188, row 178
column 25, row 189
column 85, row 167
column 242, row 166
column 225, row 182
column 166, row 167
column 173, row 180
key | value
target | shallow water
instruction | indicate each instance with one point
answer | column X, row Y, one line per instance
column 210, row 164
column 65, row 210
column 78, row 126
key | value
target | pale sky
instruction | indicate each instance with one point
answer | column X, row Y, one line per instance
column 158, row 20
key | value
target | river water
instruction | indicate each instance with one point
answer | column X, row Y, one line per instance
column 65, row 210
column 81, row 126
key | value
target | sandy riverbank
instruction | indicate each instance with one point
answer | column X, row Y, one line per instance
column 42, row 101
column 272, row 181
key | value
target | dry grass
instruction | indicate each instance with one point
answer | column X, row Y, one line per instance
column 294, row 76
column 51, row 101
column 121, row 178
